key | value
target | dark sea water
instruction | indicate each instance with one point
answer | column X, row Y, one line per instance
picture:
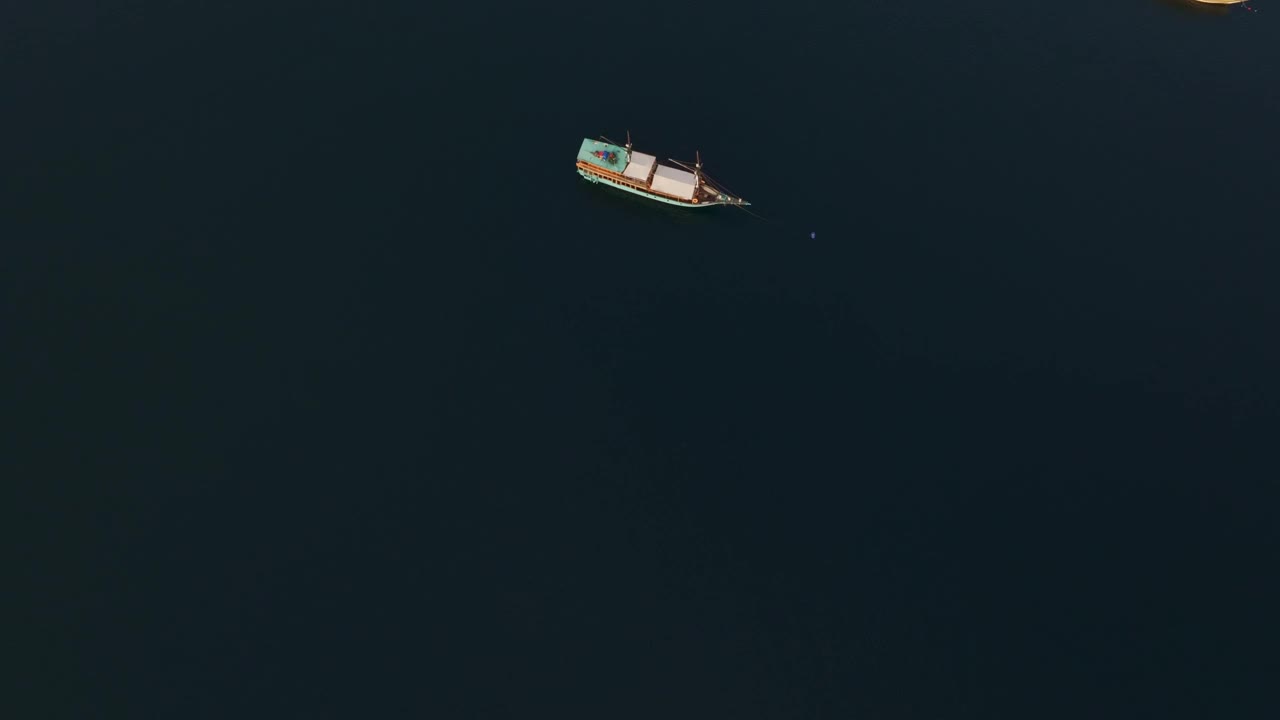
column 335, row 392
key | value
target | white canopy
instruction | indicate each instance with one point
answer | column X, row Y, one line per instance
column 639, row 167
column 674, row 182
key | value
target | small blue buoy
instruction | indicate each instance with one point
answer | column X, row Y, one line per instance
column 813, row 235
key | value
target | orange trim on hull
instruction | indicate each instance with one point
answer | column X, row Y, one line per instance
column 621, row 180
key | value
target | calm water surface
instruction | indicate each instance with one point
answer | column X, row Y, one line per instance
column 338, row 394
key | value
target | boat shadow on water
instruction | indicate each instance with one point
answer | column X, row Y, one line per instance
column 641, row 210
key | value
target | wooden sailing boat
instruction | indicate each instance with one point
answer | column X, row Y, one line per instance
column 602, row 161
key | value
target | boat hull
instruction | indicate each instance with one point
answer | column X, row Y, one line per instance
column 590, row 177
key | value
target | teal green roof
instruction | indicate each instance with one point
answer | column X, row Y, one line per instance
column 590, row 146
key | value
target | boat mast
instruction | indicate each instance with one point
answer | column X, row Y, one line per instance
column 628, row 145
column 697, row 168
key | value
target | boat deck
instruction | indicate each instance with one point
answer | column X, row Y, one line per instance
column 601, row 170
column 591, row 146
